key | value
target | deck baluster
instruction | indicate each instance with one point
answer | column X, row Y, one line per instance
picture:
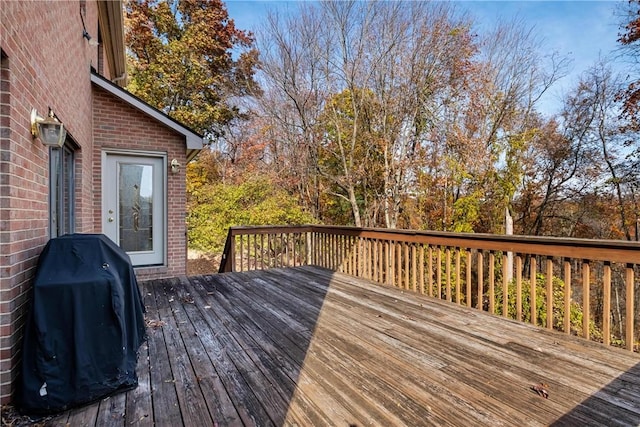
column 586, row 298
column 532, row 289
column 399, row 258
column 480, row 290
column 518, row 287
column 448, row 273
column 630, row 314
column 468, row 263
column 492, row 282
column 505, row 284
column 549, row 293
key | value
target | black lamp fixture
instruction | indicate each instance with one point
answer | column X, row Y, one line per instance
column 85, row 34
column 50, row 130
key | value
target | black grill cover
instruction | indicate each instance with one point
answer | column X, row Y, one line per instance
column 85, row 326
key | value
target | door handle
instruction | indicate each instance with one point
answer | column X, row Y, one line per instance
column 110, row 219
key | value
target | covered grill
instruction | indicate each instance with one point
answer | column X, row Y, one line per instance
column 85, row 326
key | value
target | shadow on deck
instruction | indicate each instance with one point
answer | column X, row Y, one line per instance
column 307, row 346
column 617, row 403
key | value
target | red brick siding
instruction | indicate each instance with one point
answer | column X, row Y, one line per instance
column 46, row 65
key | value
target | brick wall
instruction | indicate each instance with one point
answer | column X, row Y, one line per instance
column 119, row 126
column 45, row 64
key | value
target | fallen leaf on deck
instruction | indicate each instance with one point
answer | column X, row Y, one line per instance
column 187, row 299
column 154, row 323
column 541, row 389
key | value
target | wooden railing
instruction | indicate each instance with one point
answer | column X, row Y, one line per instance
column 579, row 286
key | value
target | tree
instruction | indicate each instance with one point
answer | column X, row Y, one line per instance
column 497, row 124
column 187, row 58
column 292, row 101
column 629, row 38
column 348, row 158
column 579, row 171
column 398, row 54
column 555, row 159
column 612, row 136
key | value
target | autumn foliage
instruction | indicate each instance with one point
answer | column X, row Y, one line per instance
column 389, row 114
column 630, row 39
column 187, row 58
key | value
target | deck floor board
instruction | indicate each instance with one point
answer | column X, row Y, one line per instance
column 309, row 347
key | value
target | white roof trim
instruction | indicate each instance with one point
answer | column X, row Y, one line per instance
column 194, row 141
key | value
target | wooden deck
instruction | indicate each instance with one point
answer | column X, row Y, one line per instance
column 308, row 347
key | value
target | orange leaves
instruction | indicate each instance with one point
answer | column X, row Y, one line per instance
column 630, row 40
column 180, row 60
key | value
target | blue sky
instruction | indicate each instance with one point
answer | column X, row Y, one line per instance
column 582, row 30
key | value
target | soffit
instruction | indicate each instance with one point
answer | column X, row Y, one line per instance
column 111, row 18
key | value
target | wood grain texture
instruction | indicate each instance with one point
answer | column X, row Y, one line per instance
column 309, row 347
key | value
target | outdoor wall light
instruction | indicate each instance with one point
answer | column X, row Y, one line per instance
column 175, row 166
column 50, row 131
column 92, row 42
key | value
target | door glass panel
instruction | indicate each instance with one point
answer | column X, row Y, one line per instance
column 136, row 207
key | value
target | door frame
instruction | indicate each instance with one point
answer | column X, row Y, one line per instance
column 138, row 153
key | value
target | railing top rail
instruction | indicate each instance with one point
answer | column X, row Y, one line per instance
column 269, row 229
column 588, row 249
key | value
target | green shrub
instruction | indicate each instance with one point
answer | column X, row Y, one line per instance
column 540, row 304
column 213, row 208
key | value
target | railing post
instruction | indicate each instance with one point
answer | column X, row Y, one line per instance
column 228, row 254
column 232, row 251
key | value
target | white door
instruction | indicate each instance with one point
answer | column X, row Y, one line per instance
column 133, row 206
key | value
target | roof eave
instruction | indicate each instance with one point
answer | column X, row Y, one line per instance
column 111, row 18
